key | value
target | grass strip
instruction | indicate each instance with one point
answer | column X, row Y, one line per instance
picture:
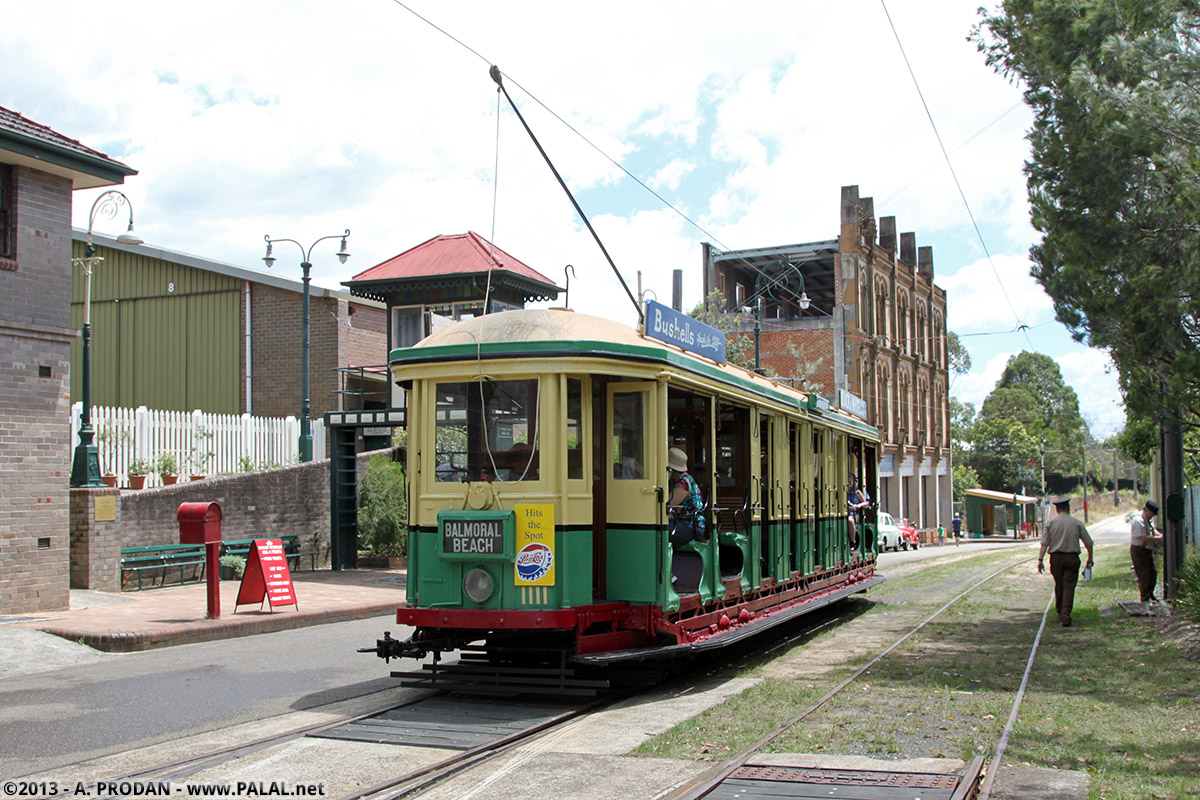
column 1108, row 695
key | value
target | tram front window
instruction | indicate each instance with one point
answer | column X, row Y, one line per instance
column 486, row 430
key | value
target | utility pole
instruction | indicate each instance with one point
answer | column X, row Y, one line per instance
column 1172, row 488
column 1116, row 485
column 1083, row 452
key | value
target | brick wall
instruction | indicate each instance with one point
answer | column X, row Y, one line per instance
column 815, row 345
column 94, row 543
column 276, row 321
column 288, row 501
column 38, row 292
column 34, row 403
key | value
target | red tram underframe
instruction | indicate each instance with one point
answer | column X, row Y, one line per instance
column 618, row 626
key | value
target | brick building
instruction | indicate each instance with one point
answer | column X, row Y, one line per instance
column 871, row 338
column 180, row 332
column 39, row 169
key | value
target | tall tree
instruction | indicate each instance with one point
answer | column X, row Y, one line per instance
column 1114, row 178
column 1004, row 455
column 960, row 358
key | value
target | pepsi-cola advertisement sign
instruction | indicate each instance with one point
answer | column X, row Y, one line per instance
column 534, row 562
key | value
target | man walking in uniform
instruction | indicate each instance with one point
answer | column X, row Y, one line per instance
column 1141, row 550
column 1062, row 538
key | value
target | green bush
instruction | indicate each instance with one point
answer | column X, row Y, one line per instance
column 383, row 509
column 236, row 563
column 1187, row 600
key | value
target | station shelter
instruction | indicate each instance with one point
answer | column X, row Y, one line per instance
column 990, row 513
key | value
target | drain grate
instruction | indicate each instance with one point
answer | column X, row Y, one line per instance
column 753, row 782
column 445, row 723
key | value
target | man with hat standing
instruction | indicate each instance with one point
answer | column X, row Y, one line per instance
column 1062, row 538
column 1141, row 550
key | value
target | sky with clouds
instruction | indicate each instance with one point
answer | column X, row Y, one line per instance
column 302, row 118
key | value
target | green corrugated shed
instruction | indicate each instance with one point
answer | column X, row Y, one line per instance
column 999, row 513
column 164, row 335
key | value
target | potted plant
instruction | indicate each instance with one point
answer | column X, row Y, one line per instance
column 105, row 446
column 168, row 467
column 232, row 567
column 200, row 454
column 138, row 468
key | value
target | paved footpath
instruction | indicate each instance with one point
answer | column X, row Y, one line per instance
column 140, row 620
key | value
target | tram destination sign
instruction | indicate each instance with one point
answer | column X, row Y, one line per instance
column 668, row 325
column 474, row 536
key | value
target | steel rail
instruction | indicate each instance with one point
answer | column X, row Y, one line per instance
column 1002, row 745
column 704, row 783
column 190, row 765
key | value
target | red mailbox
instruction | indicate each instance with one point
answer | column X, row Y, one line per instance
column 200, row 523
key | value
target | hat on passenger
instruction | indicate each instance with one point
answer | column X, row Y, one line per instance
column 677, row 460
column 1153, row 506
column 1063, row 500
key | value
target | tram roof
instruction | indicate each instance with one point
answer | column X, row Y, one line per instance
column 533, row 333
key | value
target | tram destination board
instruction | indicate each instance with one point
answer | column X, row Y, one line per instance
column 476, row 534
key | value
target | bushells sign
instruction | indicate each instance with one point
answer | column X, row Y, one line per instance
column 668, row 325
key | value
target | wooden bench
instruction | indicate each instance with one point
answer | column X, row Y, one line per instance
column 291, row 549
column 159, row 562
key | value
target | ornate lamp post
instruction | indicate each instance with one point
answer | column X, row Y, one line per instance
column 85, row 469
column 306, row 265
column 801, row 301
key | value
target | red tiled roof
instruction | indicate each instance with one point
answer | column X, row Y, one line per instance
column 13, row 121
column 461, row 253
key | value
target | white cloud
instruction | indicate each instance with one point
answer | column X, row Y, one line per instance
column 996, row 295
column 303, row 118
column 1092, row 374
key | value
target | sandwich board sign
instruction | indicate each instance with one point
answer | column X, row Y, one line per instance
column 267, row 577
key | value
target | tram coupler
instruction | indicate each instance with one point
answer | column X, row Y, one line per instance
column 388, row 648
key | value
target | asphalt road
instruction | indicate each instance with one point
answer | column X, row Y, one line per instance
column 118, row 702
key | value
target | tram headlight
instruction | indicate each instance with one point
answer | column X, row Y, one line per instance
column 478, row 585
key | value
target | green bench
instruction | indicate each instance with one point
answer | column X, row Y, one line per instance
column 291, row 550
column 160, row 562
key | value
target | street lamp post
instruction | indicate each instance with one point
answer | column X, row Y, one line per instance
column 306, row 445
column 85, row 468
column 801, row 301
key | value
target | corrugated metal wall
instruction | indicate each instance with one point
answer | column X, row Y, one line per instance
column 164, row 335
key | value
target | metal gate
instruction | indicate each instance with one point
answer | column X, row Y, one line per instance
column 343, row 428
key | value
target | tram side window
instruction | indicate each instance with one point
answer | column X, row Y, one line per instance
column 486, row 431
column 574, row 428
column 629, row 436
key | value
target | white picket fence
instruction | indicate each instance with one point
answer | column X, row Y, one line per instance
column 203, row 444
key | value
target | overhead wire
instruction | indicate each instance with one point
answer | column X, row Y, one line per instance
column 953, row 173
column 770, row 279
column 754, row 267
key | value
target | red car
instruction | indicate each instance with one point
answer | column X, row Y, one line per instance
column 908, row 535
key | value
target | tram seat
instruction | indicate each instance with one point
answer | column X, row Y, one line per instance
column 734, row 554
column 687, row 571
column 692, row 563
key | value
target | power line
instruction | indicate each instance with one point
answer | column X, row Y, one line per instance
column 953, row 173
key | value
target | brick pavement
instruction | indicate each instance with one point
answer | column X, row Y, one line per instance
column 129, row 621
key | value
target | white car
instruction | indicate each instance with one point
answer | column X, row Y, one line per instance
column 890, row 537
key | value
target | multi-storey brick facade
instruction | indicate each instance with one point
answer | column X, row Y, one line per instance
column 38, row 171
column 900, row 364
column 872, row 339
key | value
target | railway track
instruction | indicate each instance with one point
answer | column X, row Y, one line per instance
column 738, row 777
column 509, row 745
